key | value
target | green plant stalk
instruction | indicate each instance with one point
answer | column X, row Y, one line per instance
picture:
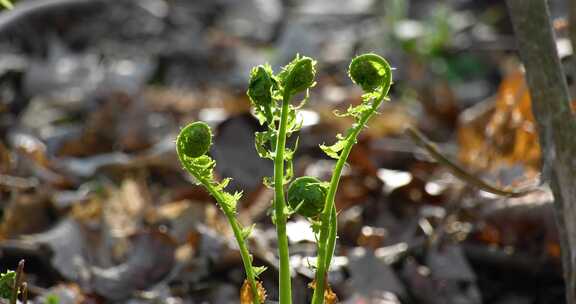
column 331, row 238
column 285, row 288
column 325, row 245
column 244, row 253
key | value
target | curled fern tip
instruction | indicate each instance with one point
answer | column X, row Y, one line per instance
column 371, row 72
column 306, row 196
column 194, row 140
column 298, row 75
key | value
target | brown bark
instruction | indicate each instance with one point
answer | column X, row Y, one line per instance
column 555, row 121
column 572, row 25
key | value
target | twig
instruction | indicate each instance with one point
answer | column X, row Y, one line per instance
column 11, row 182
column 24, row 292
column 421, row 140
column 17, row 282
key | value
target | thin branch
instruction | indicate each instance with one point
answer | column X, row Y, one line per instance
column 17, row 282
column 423, row 142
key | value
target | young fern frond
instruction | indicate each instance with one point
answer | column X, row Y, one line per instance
column 271, row 97
column 373, row 74
column 306, row 196
column 7, row 280
column 192, row 144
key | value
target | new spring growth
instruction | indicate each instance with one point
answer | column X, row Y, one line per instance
column 306, row 196
column 373, row 74
column 260, row 92
column 192, row 144
column 298, row 75
column 7, row 280
column 194, row 140
column 271, row 96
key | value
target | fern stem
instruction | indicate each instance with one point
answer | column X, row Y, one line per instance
column 285, row 288
column 325, row 245
column 244, row 253
column 332, row 234
column 246, row 257
column 236, row 229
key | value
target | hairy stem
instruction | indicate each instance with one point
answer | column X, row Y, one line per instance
column 325, row 245
column 332, row 234
column 285, row 288
column 244, row 253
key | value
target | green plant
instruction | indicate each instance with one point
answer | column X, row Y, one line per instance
column 373, row 74
column 12, row 284
column 7, row 280
column 306, row 196
column 52, row 299
column 197, row 141
column 191, row 145
column 6, row 4
column 271, row 97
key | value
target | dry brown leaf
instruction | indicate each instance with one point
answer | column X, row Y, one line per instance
column 126, row 206
column 5, row 159
column 246, row 293
column 150, row 260
column 32, row 147
column 504, row 134
column 25, row 213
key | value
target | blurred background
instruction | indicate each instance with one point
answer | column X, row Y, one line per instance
column 93, row 93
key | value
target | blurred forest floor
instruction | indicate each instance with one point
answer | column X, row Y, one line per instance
column 93, row 93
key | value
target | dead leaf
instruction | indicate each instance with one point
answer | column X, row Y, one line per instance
column 372, row 237
column 25, row 213
column 370, row 274
column 5, row 158
column 181, row 217
column 150, row 259
column 502, row 134
column 525, row 224
column 246, row 296
column 30, row 146
column 70, row 246
column 125, row 208
column 329, row 295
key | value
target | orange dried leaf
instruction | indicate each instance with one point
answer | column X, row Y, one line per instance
column 329, row 295
column 502, row 134
column 553, row 249
column 246, row 293
column 505, row 134
column 490, row 235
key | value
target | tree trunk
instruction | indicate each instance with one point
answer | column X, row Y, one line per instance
column 555, row 121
